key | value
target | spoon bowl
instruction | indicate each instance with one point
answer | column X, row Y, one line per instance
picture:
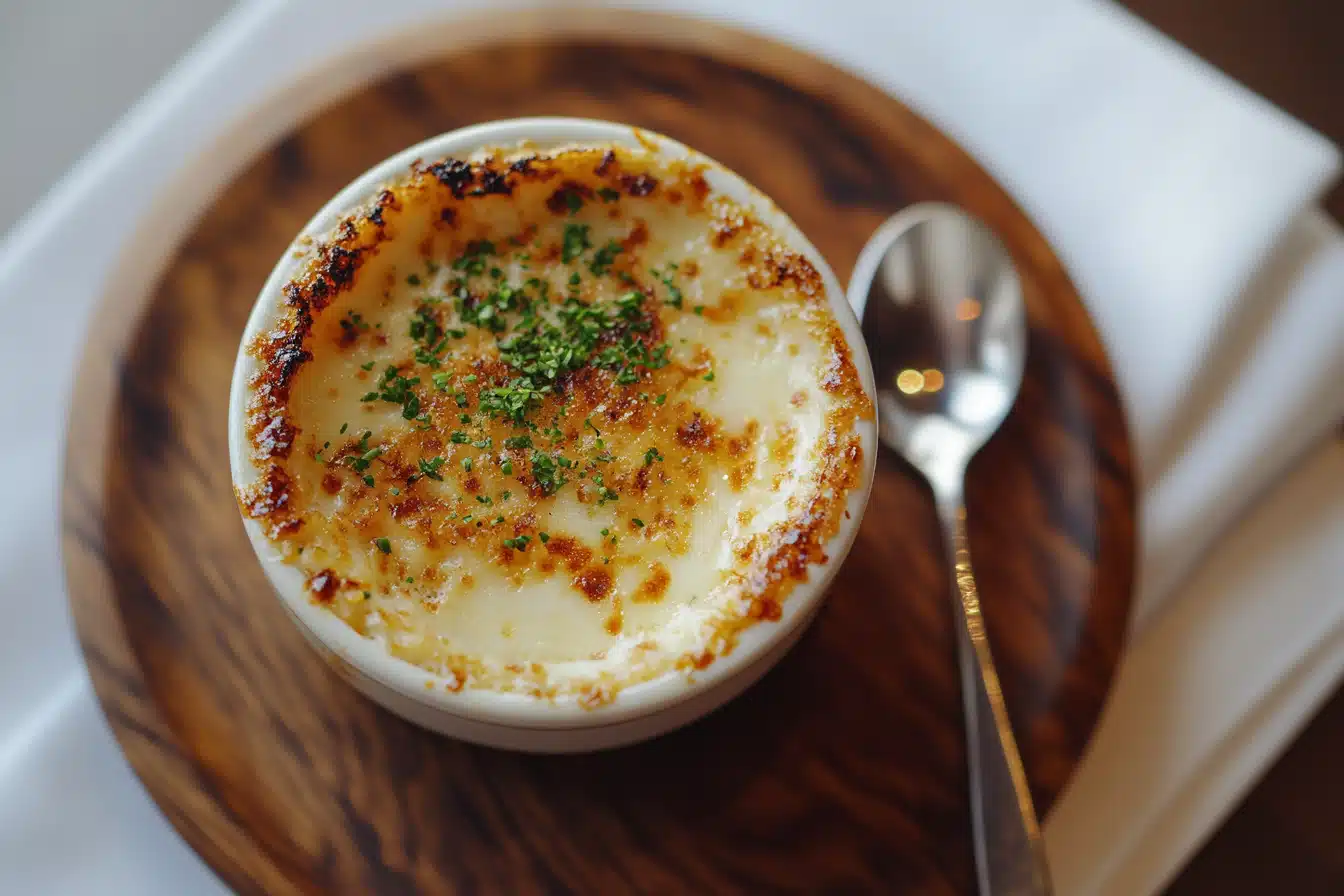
column 943, row 316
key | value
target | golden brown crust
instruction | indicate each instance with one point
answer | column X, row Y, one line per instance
column 608, row 429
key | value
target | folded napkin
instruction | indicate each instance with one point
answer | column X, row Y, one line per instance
column 1176, row 199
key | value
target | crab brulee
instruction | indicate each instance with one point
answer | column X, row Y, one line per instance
column 553, row 423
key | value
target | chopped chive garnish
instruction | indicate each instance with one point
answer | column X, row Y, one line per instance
column 575, row 240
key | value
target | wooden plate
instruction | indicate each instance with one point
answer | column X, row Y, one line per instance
column 842, row 771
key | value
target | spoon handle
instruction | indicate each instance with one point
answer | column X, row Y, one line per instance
column 1009, row 852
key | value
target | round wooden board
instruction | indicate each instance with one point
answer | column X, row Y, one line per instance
column 842, row 771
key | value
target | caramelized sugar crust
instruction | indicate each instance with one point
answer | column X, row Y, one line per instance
column 550, row 375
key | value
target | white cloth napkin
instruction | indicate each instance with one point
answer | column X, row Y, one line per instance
column 1178, row 201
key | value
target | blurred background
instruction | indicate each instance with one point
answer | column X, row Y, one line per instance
column 70, row 68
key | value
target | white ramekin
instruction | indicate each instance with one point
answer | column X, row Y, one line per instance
column 515, row 721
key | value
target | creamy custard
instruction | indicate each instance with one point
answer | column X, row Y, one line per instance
column 554, row 424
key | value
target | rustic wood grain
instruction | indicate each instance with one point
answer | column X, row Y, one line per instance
column 843, row 771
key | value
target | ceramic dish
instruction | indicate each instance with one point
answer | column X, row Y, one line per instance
column 518, row 720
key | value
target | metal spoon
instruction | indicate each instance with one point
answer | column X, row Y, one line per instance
column 943, row 317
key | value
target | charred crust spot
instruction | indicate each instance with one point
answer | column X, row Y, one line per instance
column 595, row 583
column 323, row 586
column 405, row 509
column 787, row 268
column 638, row 185
column 740, row 445
column 454, row 174
column 448, row 215
column 494, row 183
column 269, row 494
column 524, row 165
column 840, row 376
column 286, row 359
column 727, row 227
column 340, row 266
column 699, row 187
column 696, row 433
column 639, row 236
column 653, row 588
column 604, row 164
column 386, row 200
column 574, row 555
column 565, row 195
column 275, row 439
column 269, row 500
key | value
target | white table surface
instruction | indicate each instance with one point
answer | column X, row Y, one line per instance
column 69, row 69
